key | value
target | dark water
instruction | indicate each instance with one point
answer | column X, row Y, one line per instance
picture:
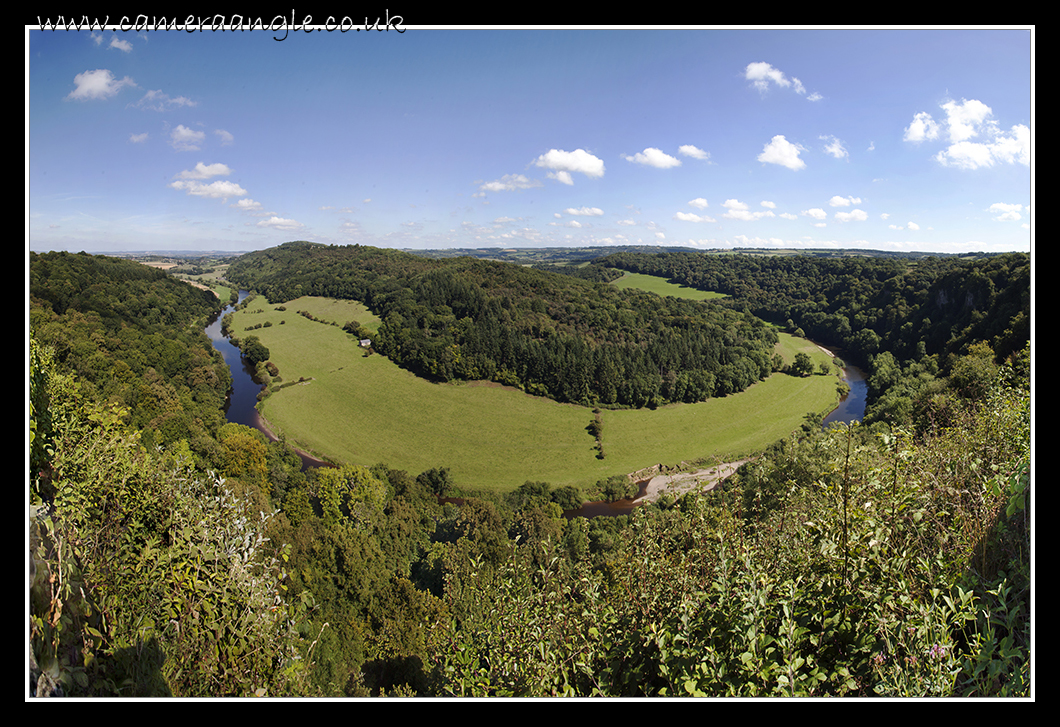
column 243, row 397
column 244, row 393
column 852, row 406
column 609, row 509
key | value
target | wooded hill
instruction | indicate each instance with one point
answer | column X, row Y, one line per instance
column 561, row 336
column 866, row 304
column 909, row 322
column 132, row 335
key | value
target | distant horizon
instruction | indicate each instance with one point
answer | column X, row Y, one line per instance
column 236, row 253
column 896, row 140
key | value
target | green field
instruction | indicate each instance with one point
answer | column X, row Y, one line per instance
column 367, row 410
column 662, row 286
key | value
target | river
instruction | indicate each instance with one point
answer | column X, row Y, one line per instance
column 852, row 405
column 241, row 406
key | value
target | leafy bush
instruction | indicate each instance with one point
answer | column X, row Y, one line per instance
column 154, row 579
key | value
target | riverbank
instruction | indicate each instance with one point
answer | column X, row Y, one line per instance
column 680, row 483
column 308, row 460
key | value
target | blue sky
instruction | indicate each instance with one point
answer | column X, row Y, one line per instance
column 432, row 138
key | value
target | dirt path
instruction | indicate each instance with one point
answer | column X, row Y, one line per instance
column 681, row 482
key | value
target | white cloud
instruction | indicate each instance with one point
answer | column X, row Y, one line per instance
column 138, row 138
column 215, row 190
column 122, row 45
column 1007, row 212
column 855, row 215
column 1005, row 149
column 225, row 137
column 97, row 84
column 159, row 101
column 626, row 223
column 510, row 182
column 692, row 217
column 966, row 155
column 762, row 74
column 205, row 171
column 817, row 213
column 770, row 205
column 968, row 120
column 247, row 205
column 783, row 152
column 788, row 216
column 586, row 211
column 279, row 223
column 691, row 151
column 653, row 157
column 922, row 128
column 738, row 210
column 835, row 147
column 184, row 139
column 698, row 203
column 913, row 226
column 838, row 201
column 562, row 163
column 1014, row 148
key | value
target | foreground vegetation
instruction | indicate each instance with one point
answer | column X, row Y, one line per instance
column 885, row 559
column 884, row 565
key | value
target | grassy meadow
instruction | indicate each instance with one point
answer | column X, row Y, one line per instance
column 662, row 286
column 365, row 409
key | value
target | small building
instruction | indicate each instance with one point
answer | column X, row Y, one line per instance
column 366, row 343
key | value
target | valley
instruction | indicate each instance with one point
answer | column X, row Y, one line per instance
column 364, row 409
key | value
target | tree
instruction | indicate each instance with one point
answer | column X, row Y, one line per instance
column 437, row 480
column 803, row 365
column 254, row 350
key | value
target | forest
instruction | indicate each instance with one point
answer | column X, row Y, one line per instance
column 173, row 554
